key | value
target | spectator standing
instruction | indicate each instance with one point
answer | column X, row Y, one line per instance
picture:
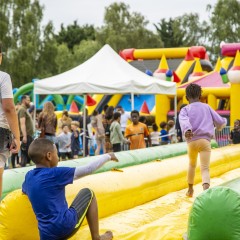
column 75, row 143
column 116, row 136
column 47, row 121
column 97, row 124
column 64, row 143
column 154, row 135
column 106, row 124
column 64, row 120
column 178, row 127
column 164, row 133
column 136, row 132
column 87, row 133
column 26, row 129
column 235, row 133
column 125, row 116
column 172, row 132
column 9, row 127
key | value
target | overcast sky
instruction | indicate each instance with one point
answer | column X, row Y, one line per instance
column 92, row 11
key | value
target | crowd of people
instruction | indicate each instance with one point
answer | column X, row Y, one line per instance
column 112, row 130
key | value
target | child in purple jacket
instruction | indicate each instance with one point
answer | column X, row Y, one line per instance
column 197, row 122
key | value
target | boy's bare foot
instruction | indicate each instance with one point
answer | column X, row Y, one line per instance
column 106, row 236
column 205, row 186
column 190, row 192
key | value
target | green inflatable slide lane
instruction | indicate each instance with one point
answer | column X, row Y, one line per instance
column 13, row 178
column 215, row 214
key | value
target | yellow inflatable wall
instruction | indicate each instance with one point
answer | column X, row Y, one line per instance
column 115, row 191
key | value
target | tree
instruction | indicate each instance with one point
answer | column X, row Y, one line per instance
column 73, row 34
column 84, row 51
column 123, row 29
column 183, row 31
column 21, row 38
column 225, row 24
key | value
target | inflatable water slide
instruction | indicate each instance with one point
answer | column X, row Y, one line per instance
column 144, row 201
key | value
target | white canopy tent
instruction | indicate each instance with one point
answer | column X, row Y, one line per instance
column 104, row 73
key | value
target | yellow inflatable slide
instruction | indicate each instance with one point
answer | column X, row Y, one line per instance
column 121, row 195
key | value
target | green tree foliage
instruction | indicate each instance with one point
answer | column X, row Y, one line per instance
column 21, row 19
column 183, row 31
column 123, row 29
column 224, row 24
column 73, row 34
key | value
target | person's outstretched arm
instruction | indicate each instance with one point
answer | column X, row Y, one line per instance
column 219, row 121
column 82, row 171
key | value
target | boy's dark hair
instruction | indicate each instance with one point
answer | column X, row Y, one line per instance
column 163, row 124
column 154, row 127
column 119, row 106
column 116, row 115
column 39, row 148
column 134, row 111
column 193, row 91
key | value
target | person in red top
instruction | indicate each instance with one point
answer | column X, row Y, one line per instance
column 136, row 132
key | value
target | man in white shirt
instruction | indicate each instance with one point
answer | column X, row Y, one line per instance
column 125, row 116
column 9, row 128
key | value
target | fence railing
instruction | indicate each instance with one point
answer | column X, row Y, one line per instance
column 222, row 137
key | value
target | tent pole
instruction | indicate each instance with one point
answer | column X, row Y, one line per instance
column 34, row 111
column 175, row 108
column 84, row 124
column 132, row 101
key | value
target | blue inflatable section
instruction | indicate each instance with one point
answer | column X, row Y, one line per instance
column 125, row 102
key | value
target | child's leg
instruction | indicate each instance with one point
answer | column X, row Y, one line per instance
column 92, row 218
column 85, row 204
column 97, row 151
column 192, row 155
column 205, row 154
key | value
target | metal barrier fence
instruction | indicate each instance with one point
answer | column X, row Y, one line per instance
column 222, row 137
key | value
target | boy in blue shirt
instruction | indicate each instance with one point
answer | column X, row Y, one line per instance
column 45, row 188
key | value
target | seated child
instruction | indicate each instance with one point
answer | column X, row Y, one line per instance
column 75, row 143
column 64, row 143
column 45, row 188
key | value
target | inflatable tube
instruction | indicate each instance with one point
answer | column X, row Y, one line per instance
column 230, row 49
column 157, row 53
column 116, row 191
column 15, row 90
column 58, row 99
column 23, row 90
column 216, row 213
column 48, row 98
column 13, row 178
column 69, row 101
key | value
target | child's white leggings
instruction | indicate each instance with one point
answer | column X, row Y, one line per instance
column 203, row 147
